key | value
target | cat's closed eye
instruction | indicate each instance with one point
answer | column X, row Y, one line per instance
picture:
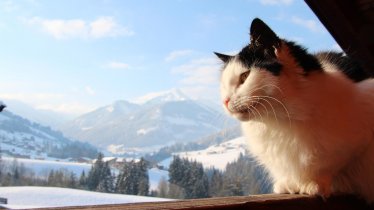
column 243, row 77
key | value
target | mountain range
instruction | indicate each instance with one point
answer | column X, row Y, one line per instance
column 154, row 120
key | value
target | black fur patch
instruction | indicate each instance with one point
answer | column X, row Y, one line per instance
column 348, row 66
column 253, row 55
column 305, row 60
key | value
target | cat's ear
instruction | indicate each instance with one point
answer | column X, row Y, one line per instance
column 262, row 35
column 223, row 57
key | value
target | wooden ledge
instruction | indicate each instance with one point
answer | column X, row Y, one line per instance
column 263, row 202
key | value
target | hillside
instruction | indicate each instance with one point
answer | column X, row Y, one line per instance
column 20, row 137
column 217, row 156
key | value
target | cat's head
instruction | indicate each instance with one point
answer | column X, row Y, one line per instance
column 255, row 81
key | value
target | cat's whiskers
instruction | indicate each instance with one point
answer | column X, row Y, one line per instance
column 238, row 105
column 254, row 108
column 271, row 106
column 250, row 106
column 249, row 98
column 283, row 106
column 266, row 109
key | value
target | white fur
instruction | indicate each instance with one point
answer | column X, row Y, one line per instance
column 316, row 135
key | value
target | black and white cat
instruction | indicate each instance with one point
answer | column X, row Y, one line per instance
column 309, row 119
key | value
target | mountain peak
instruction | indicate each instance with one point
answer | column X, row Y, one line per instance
column 120, row 106
column 174, row 94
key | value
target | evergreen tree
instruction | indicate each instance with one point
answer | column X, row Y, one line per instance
column 241, row 178
column 198, row 186
column 189, row 176
column 176, row 171
column 95, row 174
column 106, row 183
column 72, row 181
column 51, row 178
column 142, row 177
column 216, row 183
column 133, row 178
column 83, row 180
column 127, row 183
column 16, row 176
column 59, row 179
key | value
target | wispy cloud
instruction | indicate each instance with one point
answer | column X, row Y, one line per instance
column 31, row 96
column 8, row 5
column 276, row 2
column 53, row 101
column 116, row 65
column 310, row 24
column 89, row 90
column 177, row 54
column 199, row 78
column 72, row 108
column 78, row 28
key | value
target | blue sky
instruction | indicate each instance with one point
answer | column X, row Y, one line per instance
column 72, row 56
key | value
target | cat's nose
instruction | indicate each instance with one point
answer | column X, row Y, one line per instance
column 226, row 102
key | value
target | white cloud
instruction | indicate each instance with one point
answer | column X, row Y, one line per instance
column 67, row 108
column 276, row 2
column 116, row 65
column 107, row 26
column 78, row 28
column 312, row 25
column 177, row 54
column 8, row 5
column 89, row 90
column 199, row 78
column 31, row 96
column 51, row 101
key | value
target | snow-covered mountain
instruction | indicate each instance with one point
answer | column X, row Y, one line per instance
column 43, row 117
column 159, row 119
column 20, row 137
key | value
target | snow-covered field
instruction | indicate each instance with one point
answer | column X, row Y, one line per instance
column 38, row 197
column 217, row 156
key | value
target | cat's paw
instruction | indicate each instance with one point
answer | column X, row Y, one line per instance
column 284, row 187
column 313, row 188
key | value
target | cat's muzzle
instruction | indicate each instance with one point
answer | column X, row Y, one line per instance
column 241, row 107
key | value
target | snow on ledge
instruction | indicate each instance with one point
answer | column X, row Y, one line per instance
column 49, row 197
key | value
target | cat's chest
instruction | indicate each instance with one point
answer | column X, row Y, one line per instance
column 278, row 146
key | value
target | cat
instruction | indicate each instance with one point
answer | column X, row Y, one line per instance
column 307, row 118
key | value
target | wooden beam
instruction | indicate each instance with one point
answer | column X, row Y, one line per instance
column 263, row 202
column 351, row 23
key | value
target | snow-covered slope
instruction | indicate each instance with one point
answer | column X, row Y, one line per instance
column 22, row 138
column 163, row 119
column 42, row 197
column 40, row 116
column 107, row 115
column 217, row 156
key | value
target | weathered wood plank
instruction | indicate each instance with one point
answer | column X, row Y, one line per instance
column 262, row 202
